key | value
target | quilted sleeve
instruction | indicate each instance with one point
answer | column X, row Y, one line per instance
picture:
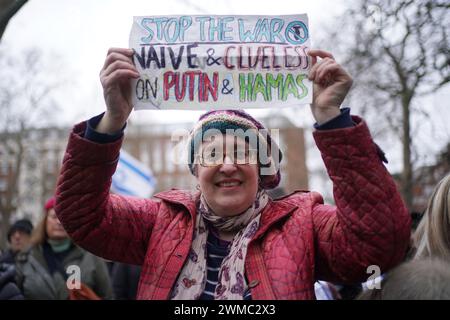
column 110, row 226
column 370, row 224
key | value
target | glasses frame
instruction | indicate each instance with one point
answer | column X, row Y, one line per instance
column 252, row 159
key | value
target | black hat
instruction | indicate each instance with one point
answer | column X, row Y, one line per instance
column 24, row 225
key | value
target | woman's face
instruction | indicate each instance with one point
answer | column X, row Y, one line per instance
column 229, row 188
column 55, row 230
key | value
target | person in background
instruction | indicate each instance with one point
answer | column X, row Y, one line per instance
column 432, row 236
column 18, row 238
column 426, row 274
column 125, row 280
column 42, row 270
column 8, row 287
column 422, row 279
column 19, row 235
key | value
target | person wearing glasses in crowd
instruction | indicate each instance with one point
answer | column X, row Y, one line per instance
column 229, row 239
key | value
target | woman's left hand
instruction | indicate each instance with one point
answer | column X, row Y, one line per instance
column 331, row 84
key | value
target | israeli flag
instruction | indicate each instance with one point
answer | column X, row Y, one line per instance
column 132, row 177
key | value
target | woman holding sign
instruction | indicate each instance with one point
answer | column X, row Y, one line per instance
column 229, row 240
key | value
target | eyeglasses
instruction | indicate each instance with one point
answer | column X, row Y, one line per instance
column 211, row 157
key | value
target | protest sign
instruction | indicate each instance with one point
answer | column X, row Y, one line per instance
column 216, row 62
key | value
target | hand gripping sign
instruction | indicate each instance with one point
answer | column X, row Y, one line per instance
column 215, row 62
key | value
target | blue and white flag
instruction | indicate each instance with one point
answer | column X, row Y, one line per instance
column 132, row 177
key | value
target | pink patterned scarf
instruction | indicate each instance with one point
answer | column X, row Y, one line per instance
column 231, row 282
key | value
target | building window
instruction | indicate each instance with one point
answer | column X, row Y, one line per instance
column 157, row 156
column 144, row 156
column 4, row 168
column 170, row 165
column 3, row 185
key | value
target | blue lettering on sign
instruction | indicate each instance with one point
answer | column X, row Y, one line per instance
column 275, row 27
column 185, row 23
column 159, row 26
column 243, row 34
column 169, row 30
column 176, row 30
column 202, row 21
column 144, row 24
column 264, row 30
column 226, row 29
column 296, row 32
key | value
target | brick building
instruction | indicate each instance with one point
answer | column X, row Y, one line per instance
column 155, row 146
column 151, row 144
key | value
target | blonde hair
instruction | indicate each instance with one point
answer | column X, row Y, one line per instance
column 432, row 236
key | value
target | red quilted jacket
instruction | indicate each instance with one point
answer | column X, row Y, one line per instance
column 300, row 239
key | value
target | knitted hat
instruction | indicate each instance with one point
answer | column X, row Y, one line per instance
column 23, row 225
column 223, row 120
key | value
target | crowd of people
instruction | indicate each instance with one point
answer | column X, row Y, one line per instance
column 35, row 266
column 229, row 239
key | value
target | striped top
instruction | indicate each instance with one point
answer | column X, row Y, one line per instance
column 217, row 250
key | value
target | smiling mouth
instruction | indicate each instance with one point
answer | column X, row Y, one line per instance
column 228, row 184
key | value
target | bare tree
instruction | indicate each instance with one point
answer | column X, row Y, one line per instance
column 26, row 102
column 8, row 8
column 398, row 52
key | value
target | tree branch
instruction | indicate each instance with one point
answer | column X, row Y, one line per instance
column 9, row 9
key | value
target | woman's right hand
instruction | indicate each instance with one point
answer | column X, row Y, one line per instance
column 115, row 77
